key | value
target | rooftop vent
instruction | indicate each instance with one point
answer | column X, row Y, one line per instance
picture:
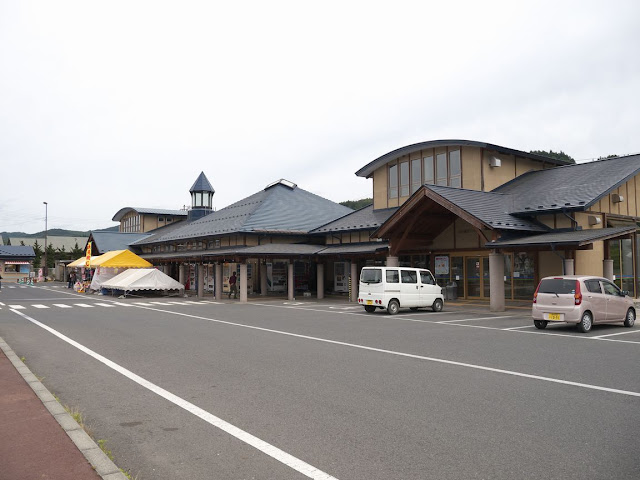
column 282, row 181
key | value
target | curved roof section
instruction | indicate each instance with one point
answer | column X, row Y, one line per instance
column 369, row 168
column 151, row 211
column 571, row 187
column 277, row 209
column 202, row 185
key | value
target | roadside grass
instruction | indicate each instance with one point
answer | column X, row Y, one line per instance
column 79, row 417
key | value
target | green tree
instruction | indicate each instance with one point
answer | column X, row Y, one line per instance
column 38, row 255
column 608, row 156
column 51, row 256
column 357, row 204
column 77, row 252
column 557, row 155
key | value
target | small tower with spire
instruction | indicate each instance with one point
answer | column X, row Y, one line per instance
column 201, row 198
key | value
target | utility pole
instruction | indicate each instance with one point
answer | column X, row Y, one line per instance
column 46, row 215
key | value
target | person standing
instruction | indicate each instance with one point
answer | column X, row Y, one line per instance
column 72, row 279
column 232, row 286
column 0, row 282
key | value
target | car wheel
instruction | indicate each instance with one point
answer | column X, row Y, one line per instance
column 585, row 322
column 393, row 307
column 369, row 308
column 630, row 319
column 540, row 324
column 437, row 305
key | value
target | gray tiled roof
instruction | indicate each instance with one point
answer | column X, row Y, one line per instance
column 489, row 207
column 278, row 208
column 570, row 187
column 16, row 251
column 365, row 218
column 202, row 184
column 109, row 241
column 355, row 248
column 569, row 238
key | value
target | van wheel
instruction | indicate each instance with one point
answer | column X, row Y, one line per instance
column 630, row 319
column 393, row 307
column 585, row 322
column 437, row 305
column 369, row 308
column 540, row 324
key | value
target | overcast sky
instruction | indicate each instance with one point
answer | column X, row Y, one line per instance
column 105, row 105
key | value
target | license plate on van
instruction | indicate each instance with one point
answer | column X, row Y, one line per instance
column 554, row 316
column 369, row 302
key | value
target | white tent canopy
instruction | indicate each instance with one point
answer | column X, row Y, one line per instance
column 136, row 279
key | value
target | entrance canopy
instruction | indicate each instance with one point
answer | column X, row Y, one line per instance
column 142, row 279
column 574, row 239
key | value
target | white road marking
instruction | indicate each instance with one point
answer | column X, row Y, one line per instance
column 518, row 328
column 177, row 303
column 122, row 304
column 160, row 303
column 615, row 334
column 495, row 317
column 274, row 452
column 346, row 308
column 409, row 355
column 2, row 304
column 83, row 305
column 61, row 305
column 213, row 303
column 108, row 305
column 191, row 302
column 16, row 307
column 37, row 305
column 144, row 304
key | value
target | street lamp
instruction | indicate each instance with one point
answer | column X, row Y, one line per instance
column 46, row 208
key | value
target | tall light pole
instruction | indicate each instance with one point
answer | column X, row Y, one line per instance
column 46, row 214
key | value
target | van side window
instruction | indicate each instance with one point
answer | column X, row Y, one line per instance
column 593, row 286
column 409, row 276
column 426, row 278
column 392, row 276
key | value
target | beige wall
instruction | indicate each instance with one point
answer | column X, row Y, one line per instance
column 549, row 264
column 466, row 235
column 444, row 241
column 629, row 207
column 471, row 178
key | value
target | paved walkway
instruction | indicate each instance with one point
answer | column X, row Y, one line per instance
column 38, row 439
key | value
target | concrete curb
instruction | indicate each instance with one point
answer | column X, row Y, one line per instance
column 91, row 451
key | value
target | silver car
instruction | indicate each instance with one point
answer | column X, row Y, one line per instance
column 583, row 300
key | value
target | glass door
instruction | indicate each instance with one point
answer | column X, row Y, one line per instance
column 473, row 278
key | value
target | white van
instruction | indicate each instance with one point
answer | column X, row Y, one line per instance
column 398, row 287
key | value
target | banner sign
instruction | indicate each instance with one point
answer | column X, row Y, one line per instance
column 87, row 263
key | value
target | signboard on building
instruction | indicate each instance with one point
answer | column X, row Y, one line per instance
column 442, row 265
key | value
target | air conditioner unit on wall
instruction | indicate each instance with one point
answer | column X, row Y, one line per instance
column 615, row 198
column 495, row 162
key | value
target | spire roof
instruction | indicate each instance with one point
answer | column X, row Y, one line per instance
column 202, row 185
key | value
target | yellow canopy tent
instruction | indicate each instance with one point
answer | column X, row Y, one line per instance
column 80, row 262
column 119, row 259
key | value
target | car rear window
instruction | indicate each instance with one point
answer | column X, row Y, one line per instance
column 557, row 285
column 371, row 275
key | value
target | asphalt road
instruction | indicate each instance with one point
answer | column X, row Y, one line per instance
column 293, row 390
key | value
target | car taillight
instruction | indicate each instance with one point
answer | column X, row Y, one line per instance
column 578, row 294
column 535, row 295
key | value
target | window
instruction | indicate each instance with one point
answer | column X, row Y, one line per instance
column 371, row 276
column 427, row 163
column 392, row 276
column 455, row 170
column 611, row 289
column 404, row 179
column 416, row 175
column 441, row 169
column 160, row 219
column 593, row 286
column 426, row 278
column 409, row 276
column 393, row 181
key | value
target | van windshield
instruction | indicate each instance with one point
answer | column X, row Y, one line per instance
column 371, row 275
